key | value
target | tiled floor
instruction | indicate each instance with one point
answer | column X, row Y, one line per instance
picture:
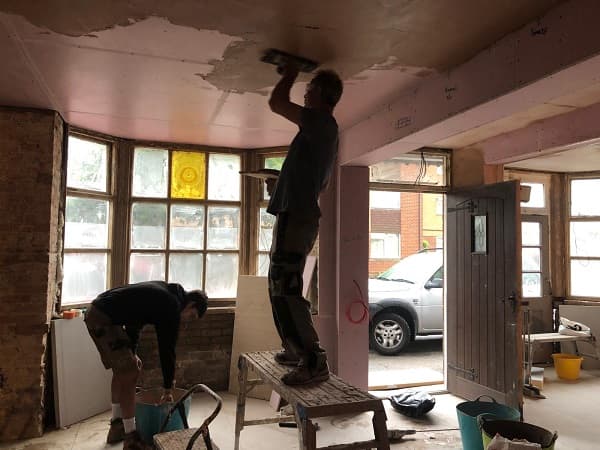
column 570, row 407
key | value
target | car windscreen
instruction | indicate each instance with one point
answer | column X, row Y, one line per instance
column 412, row 269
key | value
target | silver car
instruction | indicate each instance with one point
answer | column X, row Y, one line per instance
column 406, row 301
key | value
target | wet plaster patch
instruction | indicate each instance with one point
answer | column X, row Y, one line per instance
column 349, row 36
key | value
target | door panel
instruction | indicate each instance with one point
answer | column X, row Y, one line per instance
column 484, row 348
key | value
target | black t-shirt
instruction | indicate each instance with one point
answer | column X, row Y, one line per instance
column 151, row 302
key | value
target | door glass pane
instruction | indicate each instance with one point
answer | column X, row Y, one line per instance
column 86, row 223
column 536, row 198
column 223, row 177
column 585, row 239
column 263, row 265
column 221, row 275
column 87, row 164
column 84, row 277
column 584, row 195
column 584, row 278
column 187, row 227
column 188, row 175
column 530, row 233
column 186, row 269
column 146, row 267
column 223, row 228
column 150, row 172
column 149, row 221
column 265, row 233
column 532, row 285
column 531, row 259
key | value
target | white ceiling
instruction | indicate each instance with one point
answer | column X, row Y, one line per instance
column 188, row 71
column 583, row 158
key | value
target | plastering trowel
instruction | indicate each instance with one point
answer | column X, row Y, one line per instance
column 280, row 59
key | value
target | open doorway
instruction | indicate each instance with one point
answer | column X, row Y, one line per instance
column 406, row 285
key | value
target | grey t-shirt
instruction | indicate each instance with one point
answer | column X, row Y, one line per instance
column 308, row 165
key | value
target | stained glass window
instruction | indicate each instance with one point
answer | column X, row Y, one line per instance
column 188, row 175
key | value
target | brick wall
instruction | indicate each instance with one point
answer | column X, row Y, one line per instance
column 203, row 352
column 30, row 193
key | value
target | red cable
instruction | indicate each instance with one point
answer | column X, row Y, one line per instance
column 361, row 302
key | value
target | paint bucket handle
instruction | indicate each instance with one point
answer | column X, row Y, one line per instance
column 488, row 396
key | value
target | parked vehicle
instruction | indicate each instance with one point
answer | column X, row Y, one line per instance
column 406, row 301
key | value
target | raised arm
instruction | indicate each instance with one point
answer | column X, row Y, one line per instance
column 280, row 97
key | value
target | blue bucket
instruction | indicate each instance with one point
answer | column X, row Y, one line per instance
column 150, row 414
column 468, row 412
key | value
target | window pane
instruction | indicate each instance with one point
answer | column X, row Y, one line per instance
column 377, row 247
column 149, row 221
column 531, row 259
column 583, row 197
column 223, row 177
column 274, row 162
column 84, row 277
column 187, row 227
column 530, row 233
column 265, row 233
column 263, row 265
column 150, row 173
column 584, row 278
column 411, row 169
column 186, row 269
column 87, row 165
column 536, row 198
column 223, row 228
column 585, row 239
column 146, row 267
column 188, row 175
column 532, row 285
column 384, row 200
column 86, row 224
column 221, row 275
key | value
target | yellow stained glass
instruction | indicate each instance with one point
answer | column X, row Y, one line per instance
column 188, row 175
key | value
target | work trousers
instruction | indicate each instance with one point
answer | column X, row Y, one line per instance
column 293, row 238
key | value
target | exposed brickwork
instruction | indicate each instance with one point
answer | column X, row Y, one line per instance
column 30, row 191
column 203, row 353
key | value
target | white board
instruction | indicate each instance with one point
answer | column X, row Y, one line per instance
column 81, row 383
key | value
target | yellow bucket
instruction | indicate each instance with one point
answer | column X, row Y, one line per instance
column 567, row 366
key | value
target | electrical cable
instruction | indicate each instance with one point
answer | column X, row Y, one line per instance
column 360, row 301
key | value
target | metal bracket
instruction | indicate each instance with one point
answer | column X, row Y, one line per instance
column 471, row 373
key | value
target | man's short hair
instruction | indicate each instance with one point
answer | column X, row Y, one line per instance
column 199, row 299
column 330, row 85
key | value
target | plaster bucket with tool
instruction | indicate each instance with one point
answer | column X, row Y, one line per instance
column 567, row 366
column 150, row 413
column 510, row 429
column 468, row 413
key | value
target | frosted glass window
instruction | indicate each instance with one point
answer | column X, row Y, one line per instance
column 87, row 165
column 532, row 285
column 186, row 269
column 221, row 275
column 86, row 223
column 148, row 226
column 188, row 175
column 585, row 239
column 265, row 234
column 384, row 200
column 146, row 267
column 84, row 277
column 413, row 168
column 584, row 278
column 584, row 197
column 530, row 233
column 531, row 259
column 150, row 172
column 187, row 227
column 263, row 264
column 223, row 177
column 223, row 228
column 536, row 198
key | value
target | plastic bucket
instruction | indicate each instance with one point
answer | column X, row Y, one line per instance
column 567, row 366
column 468, row 413
column 150, row 414
column 516, row 430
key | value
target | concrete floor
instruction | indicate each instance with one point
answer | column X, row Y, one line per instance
column 570, row 407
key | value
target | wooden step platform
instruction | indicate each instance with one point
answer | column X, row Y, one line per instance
column 330, row 398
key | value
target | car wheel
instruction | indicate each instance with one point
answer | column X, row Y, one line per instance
column 389, row 334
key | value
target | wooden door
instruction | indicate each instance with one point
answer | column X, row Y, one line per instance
column 484, row 349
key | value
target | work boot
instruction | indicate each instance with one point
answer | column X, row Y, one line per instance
column 306, row 374
column 133, row 441
column 116, row 432
column 287, row 358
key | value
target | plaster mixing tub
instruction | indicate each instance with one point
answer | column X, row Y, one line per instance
column 150, row 414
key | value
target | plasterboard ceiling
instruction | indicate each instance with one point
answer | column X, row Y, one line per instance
column 584, row 158
column 188, row 71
